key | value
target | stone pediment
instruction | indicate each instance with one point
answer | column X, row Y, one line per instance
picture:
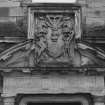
column 22, row 56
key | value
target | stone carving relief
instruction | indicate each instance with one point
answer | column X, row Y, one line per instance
column 53, row 36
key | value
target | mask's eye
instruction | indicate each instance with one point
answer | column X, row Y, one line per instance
column 56, row 18
column 64, row 26
column 66, row 35
column 41, row 33
column 71, row 32
column 44, row 26
column 52, row 18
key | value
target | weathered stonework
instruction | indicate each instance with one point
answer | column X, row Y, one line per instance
column 54, row 61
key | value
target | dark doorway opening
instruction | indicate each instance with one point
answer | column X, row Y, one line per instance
column 54, row 103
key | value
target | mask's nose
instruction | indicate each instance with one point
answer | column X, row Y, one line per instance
column 54, row 36
column 54, row 33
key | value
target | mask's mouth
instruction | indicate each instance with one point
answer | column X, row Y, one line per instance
column 54, row 39
column 54, row 36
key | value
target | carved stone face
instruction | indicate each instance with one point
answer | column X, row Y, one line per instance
column 68, row 28
column 54, row 33
column 42, row 27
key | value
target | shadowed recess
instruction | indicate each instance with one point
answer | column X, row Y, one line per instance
column 55, row 103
